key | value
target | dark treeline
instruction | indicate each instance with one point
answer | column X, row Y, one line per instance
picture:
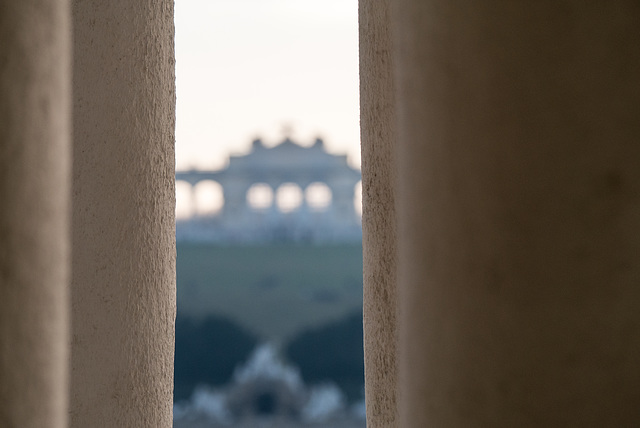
column 332, row 353
column 208, row 351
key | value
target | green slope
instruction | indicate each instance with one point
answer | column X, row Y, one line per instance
column 274, row 291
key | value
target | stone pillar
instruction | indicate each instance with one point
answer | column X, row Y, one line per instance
column 123, row 286
column 377, row 122
column 304, row 203
column 343, row 197
column 35, row 130
column 518, row 213
column 235, row 207
column 193, row 201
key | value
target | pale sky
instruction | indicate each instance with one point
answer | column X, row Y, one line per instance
column 247, row 68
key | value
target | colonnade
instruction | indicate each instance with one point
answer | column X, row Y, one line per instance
column 340, row 198
column 501, row 199
column 87, row 245
column 287, row 163
column 501, row 212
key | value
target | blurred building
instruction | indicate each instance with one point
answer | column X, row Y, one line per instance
column 288, row 192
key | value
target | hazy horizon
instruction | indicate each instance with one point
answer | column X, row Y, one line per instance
column 250, row 68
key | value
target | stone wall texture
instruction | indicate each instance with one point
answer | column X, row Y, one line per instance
column 518, row 206
column 35, row 61
column 123, row 272
column 377, row 119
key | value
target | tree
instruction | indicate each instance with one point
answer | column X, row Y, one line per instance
column 207, row 352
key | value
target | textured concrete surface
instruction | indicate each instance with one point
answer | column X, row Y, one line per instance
column 123, row 274
column 377, row 123
column 518, row 212
column 35, row 133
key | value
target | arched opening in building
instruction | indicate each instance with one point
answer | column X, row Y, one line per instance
column 260, row 196
column 289, row 197
column 318, row 196
column 208, row 197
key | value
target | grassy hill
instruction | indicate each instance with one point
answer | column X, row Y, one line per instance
column 274, row 291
